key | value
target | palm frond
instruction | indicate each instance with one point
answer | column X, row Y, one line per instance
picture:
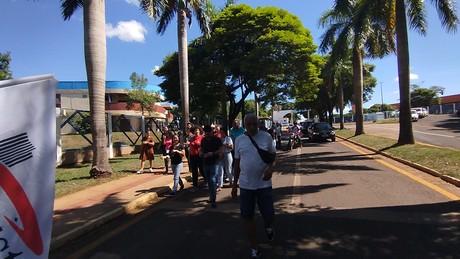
column 152, row 7
column 417, row 15
column 165, row 18
column 447, row 13
column 329, row 37
column 203, row 15
column 69, row 7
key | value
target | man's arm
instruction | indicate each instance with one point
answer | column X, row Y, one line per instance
column 236, row 177
column 271, row 167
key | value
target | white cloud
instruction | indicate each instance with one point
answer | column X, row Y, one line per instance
column 127, row 31
column 155, row 68
column 411, row 77
column 133, row 2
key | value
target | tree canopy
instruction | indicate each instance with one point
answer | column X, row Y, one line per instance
column 265, row 50
column 140, row 95
column 5, row 72
column 422, row 97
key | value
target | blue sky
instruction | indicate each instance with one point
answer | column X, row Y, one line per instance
column 41, row 42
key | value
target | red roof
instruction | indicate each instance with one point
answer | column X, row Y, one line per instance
column 444, row 100
column 450, row 99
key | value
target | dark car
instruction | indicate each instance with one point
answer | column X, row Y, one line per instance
column 305, row 125
column 321, row 131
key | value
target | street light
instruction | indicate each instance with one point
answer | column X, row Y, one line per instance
column 381, row 94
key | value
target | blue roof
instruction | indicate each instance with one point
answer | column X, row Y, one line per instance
column 83, row 85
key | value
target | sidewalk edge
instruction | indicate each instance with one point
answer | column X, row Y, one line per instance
column 447, row 178
column 133, row 207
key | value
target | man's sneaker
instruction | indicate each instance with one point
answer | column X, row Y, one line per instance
column 194, row 189
column 139, row 172
column 213, row 205
column 270, row 234
column 255, row 253
column 151, row 170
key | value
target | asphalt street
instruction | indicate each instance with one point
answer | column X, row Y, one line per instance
column 332, row 200
column 437, row 130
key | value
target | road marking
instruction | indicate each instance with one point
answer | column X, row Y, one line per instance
column 401, row 171
column 434, row 134
column 295, row 201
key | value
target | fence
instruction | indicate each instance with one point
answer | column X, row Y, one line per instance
column 133, row 127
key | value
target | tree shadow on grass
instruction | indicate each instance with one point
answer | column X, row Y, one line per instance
column 74, row 179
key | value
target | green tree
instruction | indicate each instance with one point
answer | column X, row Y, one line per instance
column 203, row 95
column 423, row 97
column 249, row 50
column 96, row 61
column 391, row 14
column 164, row 11
column 337, row 84
column 378, row 107
column 263, row 50
column 250, row 107
column 140, row 95
column 5, row 72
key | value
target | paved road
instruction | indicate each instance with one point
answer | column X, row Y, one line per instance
column 438, row 130
column 333, row 200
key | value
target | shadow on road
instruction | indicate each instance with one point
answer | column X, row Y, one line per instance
column 452, row 124
column 320, row 162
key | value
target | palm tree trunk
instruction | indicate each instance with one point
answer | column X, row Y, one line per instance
column 406, row 136
column 340, row 96
column 183, row 64
column 95, row 59
column 358, row 89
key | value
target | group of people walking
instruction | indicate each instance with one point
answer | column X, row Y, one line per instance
column 245, row 159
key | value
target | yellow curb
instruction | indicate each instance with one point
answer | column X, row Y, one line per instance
column 447, row 178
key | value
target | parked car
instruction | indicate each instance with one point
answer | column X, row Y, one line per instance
column 422, row 112
column 394, row 114
column 414, row 115
column 321, row 131
column 305, row 125
column 425, row 112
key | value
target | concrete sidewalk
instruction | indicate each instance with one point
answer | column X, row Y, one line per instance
column 81, row 212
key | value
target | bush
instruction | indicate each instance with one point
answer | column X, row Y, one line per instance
column 83, row 124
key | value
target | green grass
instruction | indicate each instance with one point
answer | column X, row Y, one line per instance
column 443, row 160
column 76, row 178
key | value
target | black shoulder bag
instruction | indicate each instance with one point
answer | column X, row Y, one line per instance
column 266, row 156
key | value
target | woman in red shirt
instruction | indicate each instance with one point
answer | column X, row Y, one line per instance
column 195, row 159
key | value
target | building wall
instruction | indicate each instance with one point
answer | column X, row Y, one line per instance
column 72, row 101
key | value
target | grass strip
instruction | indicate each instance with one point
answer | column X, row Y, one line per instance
column 443, row 160
column 76, row 177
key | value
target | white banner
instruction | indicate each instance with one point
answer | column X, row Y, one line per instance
column 27, row 165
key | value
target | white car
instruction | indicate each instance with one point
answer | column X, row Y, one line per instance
column 414, row 115
column 422, row 112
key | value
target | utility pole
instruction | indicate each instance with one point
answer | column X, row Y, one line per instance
column 381, row 94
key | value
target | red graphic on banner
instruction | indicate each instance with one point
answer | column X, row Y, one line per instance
column 30, row 235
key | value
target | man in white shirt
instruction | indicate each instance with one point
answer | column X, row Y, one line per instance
column 254, row 177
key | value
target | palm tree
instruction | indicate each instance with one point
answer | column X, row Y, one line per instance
column 351, row 27
column 392, row 13
column 164, row 11
column 95, row 59
column 342, row 35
